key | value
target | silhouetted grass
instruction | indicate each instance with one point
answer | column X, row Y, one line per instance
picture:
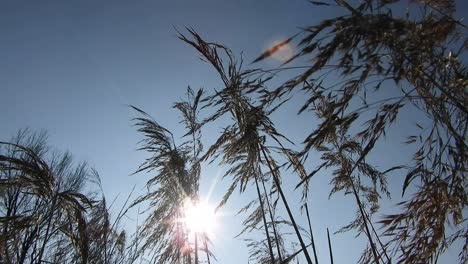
column 53, row 210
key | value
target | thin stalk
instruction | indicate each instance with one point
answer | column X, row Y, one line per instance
column 25, row 245
column 186, row 239
column 270, row 210
column 106, row 234
column 49, row 223
column 272, row 257
column 311, row 233
column 189, row 257
column 178, row 235
column 378, row 240
column 330, row 247
column 286, row 205
column 10, row 211
column 28, row 240
column 196, row 248
column 361, row 209
column 207, row 252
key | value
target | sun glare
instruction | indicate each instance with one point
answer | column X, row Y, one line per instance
column 200, row 217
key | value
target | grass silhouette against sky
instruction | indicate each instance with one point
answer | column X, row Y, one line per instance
column 73, row 68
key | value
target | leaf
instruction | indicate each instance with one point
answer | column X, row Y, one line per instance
column 409, row 177
column 393, row 168
column 318, row 3
column 411, row 139
column 310, row 175
column 274, row 49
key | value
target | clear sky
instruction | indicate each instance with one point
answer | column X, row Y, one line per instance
column 72, row 67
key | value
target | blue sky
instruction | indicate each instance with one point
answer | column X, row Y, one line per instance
column 72, row 67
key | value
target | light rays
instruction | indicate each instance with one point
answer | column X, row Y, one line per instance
column 200, row 217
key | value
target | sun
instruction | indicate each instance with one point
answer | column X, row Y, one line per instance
column 199, row 217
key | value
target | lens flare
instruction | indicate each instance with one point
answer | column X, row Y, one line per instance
column 200, row 217
column 283, row 53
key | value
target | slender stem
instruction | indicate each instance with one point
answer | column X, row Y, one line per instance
column 270, row 210
column 286, row 205
column 186, row 241
column 178, row 235
column 330, row 247
column 272, row 257
column 311, row 233
column 207, row 251
column 378, row 240
column 196, row 248
column 49, row 223
column 361, row 209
